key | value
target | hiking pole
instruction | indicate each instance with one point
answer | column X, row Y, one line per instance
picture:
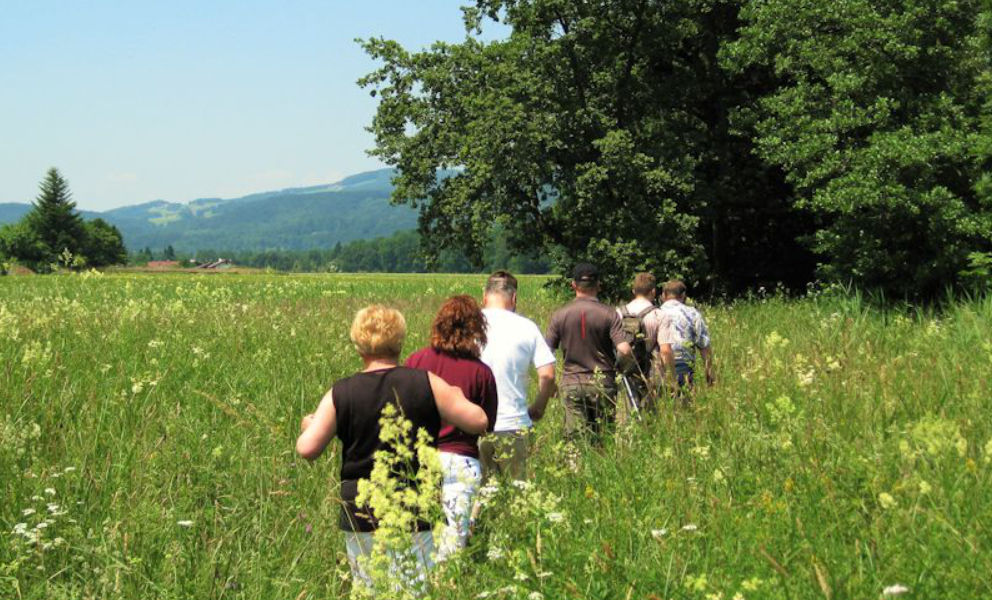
column 635, row 410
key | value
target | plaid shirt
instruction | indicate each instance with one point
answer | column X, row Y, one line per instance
column 683, row 327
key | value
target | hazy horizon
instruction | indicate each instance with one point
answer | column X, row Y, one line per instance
column 137, row 103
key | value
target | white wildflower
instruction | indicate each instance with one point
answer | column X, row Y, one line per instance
column 535, row 596
column 894, row 590
column 50, row 491
column 555, row 517
column 184, row 523
column 690, row 527
column 659, row 533
column 27, row 512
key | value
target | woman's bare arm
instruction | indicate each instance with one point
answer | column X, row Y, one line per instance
column 318, row 429
column 456, row 409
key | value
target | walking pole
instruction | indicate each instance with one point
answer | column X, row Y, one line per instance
column 635, row 410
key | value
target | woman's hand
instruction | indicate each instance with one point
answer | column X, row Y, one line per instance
column 305, row 422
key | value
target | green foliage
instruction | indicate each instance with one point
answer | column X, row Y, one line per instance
column 53, row 234
column 875, row 117
column 20, row 243
column 54, row 219
column 398, row 253
column 843, row 444
column 711, row 141
column 595, row 131
column 103, row 244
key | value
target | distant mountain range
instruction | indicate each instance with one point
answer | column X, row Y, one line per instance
column 354, row 208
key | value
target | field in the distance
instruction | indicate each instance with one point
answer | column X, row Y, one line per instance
column 147, row 425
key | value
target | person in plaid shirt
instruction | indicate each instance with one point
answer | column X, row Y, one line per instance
column 681, row 331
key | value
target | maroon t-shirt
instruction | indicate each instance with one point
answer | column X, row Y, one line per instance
column 476, row 381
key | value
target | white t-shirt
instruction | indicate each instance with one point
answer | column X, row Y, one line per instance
column 514, row 345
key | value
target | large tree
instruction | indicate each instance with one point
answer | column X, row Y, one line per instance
column 103, row 245
column 875, row 116
column 596, row 131
column 54, row 219
column 53, row 227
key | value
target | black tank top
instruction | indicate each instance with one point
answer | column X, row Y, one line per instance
column 359, row 401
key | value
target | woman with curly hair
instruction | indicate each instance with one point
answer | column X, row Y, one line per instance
column 457, row 337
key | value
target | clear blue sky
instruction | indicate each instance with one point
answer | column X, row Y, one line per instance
column 178, row 99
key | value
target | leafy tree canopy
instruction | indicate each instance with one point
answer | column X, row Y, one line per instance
column 718, row 141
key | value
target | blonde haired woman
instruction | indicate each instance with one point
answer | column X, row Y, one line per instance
column 351, row 411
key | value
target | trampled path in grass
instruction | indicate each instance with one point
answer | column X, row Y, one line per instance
column 147, row 425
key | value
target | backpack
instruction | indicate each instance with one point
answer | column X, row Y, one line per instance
column 635, row 334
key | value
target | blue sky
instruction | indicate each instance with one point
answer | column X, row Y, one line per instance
column 136, row 101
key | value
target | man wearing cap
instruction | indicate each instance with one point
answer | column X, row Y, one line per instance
column 590, row 334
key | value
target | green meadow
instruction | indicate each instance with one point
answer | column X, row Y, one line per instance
column 147, row 429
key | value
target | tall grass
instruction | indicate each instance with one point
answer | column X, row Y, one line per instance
column 148, row 422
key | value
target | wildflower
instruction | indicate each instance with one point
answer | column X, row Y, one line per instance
column 50, row 491
column 535, row 596
column 69, row 469
column 924, row 487
column 894, row 590
column 690, row 527
column 495, row 553
column 521, row 484
column 659, row 533
column 555, row 517
column 886, row 500
column 27, row 512
column 184, row 523
column 751, row 585
column 42, row 525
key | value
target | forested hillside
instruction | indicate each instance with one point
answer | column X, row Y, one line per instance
column 319, row 217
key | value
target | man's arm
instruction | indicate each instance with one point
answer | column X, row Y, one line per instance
column 318, row 429
column 618, row 337
column 545, row 389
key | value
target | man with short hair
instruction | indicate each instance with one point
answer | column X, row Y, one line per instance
column 681, row 331
column 590, row 335
column 514, row 344
column 640, row 318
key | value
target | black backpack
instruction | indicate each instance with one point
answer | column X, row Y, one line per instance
column 636, row 335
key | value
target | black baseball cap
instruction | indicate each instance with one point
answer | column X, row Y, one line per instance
column 585, row 272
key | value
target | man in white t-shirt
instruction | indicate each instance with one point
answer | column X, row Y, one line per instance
column 514, row 345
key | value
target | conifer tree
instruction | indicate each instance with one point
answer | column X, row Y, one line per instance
column 54, row 218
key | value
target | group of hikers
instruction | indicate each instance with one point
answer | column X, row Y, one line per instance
column 469, row 389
